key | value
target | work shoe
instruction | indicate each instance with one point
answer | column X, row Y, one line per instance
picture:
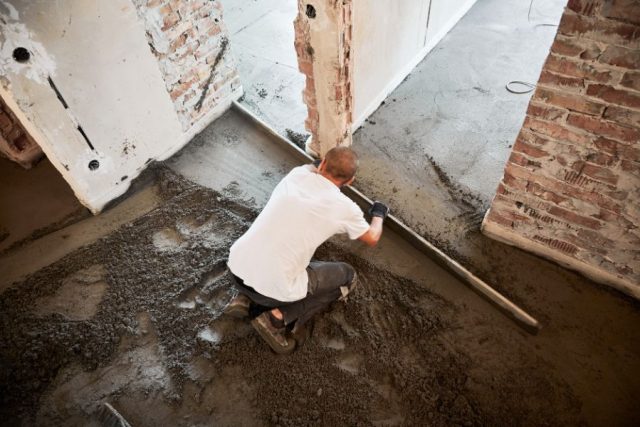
column 273, row 335
column 238, row 307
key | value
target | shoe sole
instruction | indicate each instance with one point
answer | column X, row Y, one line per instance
column 268, row 338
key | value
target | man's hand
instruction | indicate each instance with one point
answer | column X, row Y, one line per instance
column 379, row 209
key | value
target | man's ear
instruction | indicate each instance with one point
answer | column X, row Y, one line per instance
column 353, row 178
column 322, row 165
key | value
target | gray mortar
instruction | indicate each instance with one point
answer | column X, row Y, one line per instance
column 297, row 138
column 381, row 357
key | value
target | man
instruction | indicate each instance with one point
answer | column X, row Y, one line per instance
column 272, row 263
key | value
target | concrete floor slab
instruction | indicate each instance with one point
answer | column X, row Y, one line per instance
column 20, row 262
column 454, row 106
column 34, row 199
column 230, row 157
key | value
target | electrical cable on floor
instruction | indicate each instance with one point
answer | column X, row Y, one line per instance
column 537, row 25
column 509, row 87
column 529, row 86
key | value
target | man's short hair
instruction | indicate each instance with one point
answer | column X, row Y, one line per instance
column 341, row 163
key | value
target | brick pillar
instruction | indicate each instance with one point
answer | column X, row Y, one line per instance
column 15, row 142
column 323, row 44
column 191, row 44
column 571, row 188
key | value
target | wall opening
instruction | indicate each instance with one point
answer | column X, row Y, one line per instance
column 262, row 41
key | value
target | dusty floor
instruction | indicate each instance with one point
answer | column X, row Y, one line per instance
column 20, row 189
column 150, row 339
column 261, row 34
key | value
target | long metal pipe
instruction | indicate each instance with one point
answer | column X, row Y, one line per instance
column 507, row 307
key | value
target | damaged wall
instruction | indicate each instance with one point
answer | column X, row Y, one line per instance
column 15, row 143
column 92, row 93
column 571, row 188
column 190, row 42
column 323, row 45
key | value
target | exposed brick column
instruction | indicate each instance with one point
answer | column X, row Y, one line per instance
column 15, row 142
column 323, row 44
column 571, row 188
column 191, row 44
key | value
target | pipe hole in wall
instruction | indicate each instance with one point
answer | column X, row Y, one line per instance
column 21, row 54
column 94, row 165
column 311, row 11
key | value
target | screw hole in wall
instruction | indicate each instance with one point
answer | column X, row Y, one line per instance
column 94, row 164
column 311, row 11
column 21, row 54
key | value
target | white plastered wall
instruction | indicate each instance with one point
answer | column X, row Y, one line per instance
column 390, row 37
column 97, row 56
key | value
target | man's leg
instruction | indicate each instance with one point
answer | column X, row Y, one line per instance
column 328, row 282
column 270, row 327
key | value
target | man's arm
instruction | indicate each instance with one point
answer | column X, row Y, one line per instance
column 372, row 235
column 378, row 212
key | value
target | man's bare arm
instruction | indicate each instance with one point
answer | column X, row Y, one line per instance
column 373, row 234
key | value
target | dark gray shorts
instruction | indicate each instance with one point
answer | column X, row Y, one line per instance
column 328, row 281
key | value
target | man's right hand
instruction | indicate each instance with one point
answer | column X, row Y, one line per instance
column 379, row 209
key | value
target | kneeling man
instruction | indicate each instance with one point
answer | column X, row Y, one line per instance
column 271, row 262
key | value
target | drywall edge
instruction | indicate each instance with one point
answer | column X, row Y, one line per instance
column 507, row 236
column 404, row 72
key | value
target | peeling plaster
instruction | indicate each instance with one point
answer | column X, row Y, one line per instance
column 15, row 34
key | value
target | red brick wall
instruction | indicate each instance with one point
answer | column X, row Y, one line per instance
column 571, row 187
column 190, row 41
column 15, row 142
column 327, row 66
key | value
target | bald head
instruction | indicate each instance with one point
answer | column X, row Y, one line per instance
column 341, row 163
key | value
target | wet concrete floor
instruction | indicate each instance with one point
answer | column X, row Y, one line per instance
column 413, row 347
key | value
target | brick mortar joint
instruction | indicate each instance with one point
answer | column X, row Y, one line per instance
column 561, row 182
column 599, row 17
column 518, row 192
column 600, row 67
column 576, row 130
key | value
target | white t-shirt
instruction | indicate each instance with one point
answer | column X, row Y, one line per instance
column 304, row 210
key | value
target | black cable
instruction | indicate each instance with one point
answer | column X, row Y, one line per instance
column 530, row 86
